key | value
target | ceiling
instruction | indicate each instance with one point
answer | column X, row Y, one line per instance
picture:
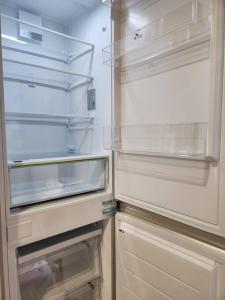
column 61, row 11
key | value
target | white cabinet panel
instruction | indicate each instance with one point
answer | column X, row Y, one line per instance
column 151, row 264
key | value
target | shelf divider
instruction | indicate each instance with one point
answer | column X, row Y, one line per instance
column 178, row 30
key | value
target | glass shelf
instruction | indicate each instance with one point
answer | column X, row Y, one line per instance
column 25, row 72
column 167, row 140
column 38, row 180
column 185, row 27
column 67, row 120
column 73, row 49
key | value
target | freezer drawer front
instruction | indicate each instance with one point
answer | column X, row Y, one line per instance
column 149, row 267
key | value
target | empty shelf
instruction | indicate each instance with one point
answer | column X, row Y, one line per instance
column 60, row 57
column 43, row 117
column 13, row 61
column 40, row 75
column 46, row 83
column 76, row 47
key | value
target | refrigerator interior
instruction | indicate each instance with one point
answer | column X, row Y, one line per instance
column 57, row 95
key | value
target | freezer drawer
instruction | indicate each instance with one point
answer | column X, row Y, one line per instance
column 41, row 180
column 65, row 270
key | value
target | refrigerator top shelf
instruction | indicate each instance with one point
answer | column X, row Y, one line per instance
column 56, row 160
column 11, row 42
column 47, row 30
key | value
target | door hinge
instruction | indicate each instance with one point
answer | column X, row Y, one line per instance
column 109, row 207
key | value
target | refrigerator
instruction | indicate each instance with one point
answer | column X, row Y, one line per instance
column 112, row 157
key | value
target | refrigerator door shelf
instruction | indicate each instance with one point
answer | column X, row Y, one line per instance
column 186, row 141
column 184, row 27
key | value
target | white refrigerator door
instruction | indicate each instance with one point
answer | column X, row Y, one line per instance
column 155, row 263
column 168, row 101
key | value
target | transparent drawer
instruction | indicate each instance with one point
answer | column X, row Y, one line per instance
column 39, row 180
column 68, row 273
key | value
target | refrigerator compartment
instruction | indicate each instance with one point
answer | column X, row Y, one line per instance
column 62, row 267
column 38, row 180
column 183, row 28
column 36, row 74
column 48, row 50
column 175, row 140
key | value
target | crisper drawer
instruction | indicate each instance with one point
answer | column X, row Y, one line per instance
column 68, row 270
column 40, row 180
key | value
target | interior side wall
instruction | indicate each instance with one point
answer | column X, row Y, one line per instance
column 95, row 27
